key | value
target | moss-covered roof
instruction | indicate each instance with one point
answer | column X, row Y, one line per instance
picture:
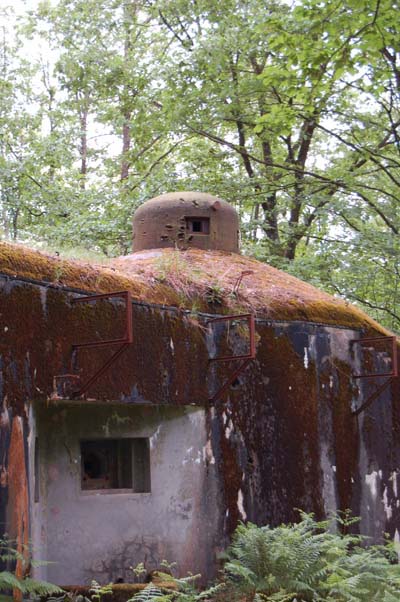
column 194, row 280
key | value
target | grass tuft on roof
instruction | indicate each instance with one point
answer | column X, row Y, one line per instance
column 195, row 280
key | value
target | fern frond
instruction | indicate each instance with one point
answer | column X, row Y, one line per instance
column 211, row 592
column 41, row 588
column 149, row 593
column 9, row 581
column 280, row 596
column 307, row 561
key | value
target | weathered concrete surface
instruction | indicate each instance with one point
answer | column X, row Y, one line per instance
column 287, row 438
column 40, row 325
column 102, row 535
column 379, row 462
column 163, row 222
column 283, row 438
column 18, row 503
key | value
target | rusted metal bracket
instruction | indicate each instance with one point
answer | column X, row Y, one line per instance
column 238, row 282
column 377, row 393
column 128, row 335
column 123, row 341
column 371, row 341
column 245, row 359
column 389, row 376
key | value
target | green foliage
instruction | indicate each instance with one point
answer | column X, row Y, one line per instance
column 139, row 571
column 290, row 111
column 98, row 591
column 149, row 593
column 9, row 555
column 180, row 590
column 310, row 561
column 68, row 597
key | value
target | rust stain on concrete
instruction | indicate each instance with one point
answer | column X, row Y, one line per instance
column 18, row 499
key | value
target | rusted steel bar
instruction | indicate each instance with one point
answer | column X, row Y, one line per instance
column 373, row 397
column 124, row 341
column 105, row 343
column 229, row 381
column 101, row 371
column 239, row 280
column 128, row 335
column 393, row 355
column 252, row 345
column 246, row 358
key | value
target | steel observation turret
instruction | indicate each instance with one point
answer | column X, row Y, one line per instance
column 185, row 220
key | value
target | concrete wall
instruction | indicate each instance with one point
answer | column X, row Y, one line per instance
column 286, row 437
column 92, row 535
column 283, row 437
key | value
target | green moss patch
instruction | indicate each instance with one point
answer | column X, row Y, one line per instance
column 195, row 280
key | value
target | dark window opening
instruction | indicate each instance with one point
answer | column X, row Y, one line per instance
column 198, row 225
column 115, row 464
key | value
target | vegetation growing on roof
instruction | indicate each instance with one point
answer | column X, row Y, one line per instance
column 193, row 278
column 201, row 275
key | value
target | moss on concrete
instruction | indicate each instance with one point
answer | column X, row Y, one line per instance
column 193, row 279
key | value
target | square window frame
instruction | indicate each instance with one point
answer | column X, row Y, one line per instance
column 205, row 225
column 139, row 476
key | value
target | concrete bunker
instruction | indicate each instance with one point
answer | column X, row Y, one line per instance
column 186, row 220
column 101, row 527
column 154, row 459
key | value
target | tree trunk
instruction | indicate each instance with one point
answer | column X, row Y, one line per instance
column 126, row 145
column 15, row 223
column 130, row 9
column 83, row 149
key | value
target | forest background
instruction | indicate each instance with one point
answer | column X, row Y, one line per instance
column 289, row 110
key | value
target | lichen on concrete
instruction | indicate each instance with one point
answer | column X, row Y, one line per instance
column 193, row 280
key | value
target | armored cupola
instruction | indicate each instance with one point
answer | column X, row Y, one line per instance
column 186, row 220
